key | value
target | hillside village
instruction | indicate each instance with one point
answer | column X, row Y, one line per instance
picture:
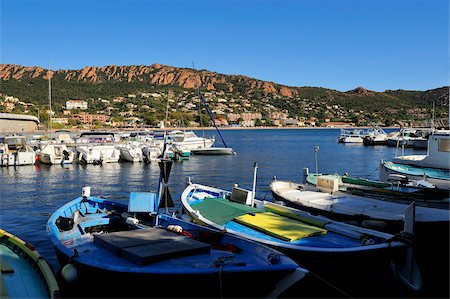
column 148, row 109
column 148, row 96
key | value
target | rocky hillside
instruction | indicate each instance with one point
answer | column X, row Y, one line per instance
column 156, row 74
column 30, row 84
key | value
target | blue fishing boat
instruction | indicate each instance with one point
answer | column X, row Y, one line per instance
column 118, row 249
column 438, row 177
column 24, row 272
column 352, row 258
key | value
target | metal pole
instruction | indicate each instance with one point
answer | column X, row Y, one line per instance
column 50, row 100
column 255, row 169
column 316, row 149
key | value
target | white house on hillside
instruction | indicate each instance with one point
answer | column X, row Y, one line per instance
column 76, row 104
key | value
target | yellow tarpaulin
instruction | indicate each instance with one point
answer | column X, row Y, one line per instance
column 279, row 226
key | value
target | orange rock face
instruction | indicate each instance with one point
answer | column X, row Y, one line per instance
column 156, row 74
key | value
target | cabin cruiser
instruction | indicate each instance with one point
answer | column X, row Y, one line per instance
column 189, row 140
column 416, row 138
column 52, row 153
column 14, row 151
column 97, row 148
column 375, row 136
column 351, row 136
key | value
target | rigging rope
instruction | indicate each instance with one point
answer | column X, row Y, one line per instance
column 210, row 116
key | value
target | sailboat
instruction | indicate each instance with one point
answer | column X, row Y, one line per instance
column 209, row 150
column 51, row 153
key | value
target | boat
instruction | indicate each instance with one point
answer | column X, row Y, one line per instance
column 375, row 136
column 138, row 252
column 97, row 148
column 14, row 151
column 398, row 190
column 351, row 258
column 98, row 154
column 408, row 137
column 209, row 150
column 213, row 151
column 132, row 152
column 189, row 140
column 351, row 136
column 151, row 153
column 52, row 153
column 438, row 153
column 440, row 178
column 24, row 272
column 324, row 198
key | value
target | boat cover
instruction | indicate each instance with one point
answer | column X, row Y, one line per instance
column 279, row 226
column 220, row 211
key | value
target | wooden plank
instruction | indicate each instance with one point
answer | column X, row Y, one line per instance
column 168, row 249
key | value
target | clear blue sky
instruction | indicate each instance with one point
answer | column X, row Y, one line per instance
column 339, row 44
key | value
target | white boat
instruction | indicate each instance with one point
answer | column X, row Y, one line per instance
column 375, row 136
column 351, row 136
column 326, row 199
column 189, row 140
column 131, row 152
column 151, row 153
column 98, row 153
column 55, row 154
column 213, row 151
column 14, row 151
column 438, row 153
column 408, row 138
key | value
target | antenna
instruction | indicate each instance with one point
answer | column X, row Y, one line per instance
column 50, row 99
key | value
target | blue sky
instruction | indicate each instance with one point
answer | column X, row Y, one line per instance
column 339, row 44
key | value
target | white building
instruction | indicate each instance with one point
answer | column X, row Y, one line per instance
column 76, row 104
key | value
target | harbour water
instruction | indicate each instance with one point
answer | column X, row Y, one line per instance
column 30, row 194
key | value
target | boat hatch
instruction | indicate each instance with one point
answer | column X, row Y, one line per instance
column 151, row 245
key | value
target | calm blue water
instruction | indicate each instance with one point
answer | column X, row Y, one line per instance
column 30, row 194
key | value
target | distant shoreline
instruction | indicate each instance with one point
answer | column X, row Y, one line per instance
column 209, row 129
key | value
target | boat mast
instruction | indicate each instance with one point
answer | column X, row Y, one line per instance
column 199, row 105
column 50, row 100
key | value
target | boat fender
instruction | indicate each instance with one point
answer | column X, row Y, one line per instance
column 175, row 228
column 368, row 242
column 69, row 273
column 131, row 221
column 273, row 258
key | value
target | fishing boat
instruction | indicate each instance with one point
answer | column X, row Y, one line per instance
column 24, row 272
column 398, row 190
column 440, row 178
column 137, row 251
column 437, row 156
column 52, row 153
column 14, row 151
column 323, row 197
column 349, row 257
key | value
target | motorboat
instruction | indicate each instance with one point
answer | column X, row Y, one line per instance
column 14, row 151
column 53, row 153
column 351, row 136
column 24, row 272
column 132, row 152
column 375, row 136
column 189, row 140
column 438, row 153
column 408, row 137
column 98, row 153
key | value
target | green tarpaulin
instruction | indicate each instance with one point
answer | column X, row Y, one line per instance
column 220, row 211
